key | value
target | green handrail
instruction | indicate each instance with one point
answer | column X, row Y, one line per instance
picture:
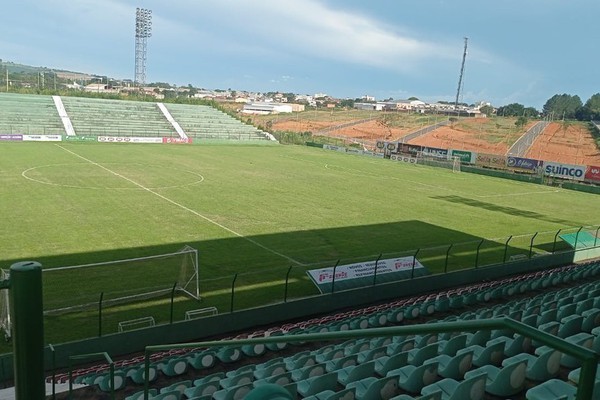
column 588, row 358
column 92, row 356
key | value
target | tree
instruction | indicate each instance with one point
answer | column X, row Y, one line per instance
column 562, row 106
column 531, row 112
column 511, row 110
column 521, row 122
column 347, row 103
column 413, row 98
column 593, row 103
column 487, row 110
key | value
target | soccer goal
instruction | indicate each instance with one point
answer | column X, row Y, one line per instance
column 455, row 164
column 80, row 287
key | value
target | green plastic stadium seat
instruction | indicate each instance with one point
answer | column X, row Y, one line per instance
column 240, row 379
column 355, row 372
column 228, row 354
column 451, row 346
column 202, row 360
column 339, row 363
column 540, row 368
column 310, row 371
column 346, row 394
column 432, row 396
column 316, row 384
column 178, row 386
column 469, row 389
column 453, row 367
column 173, row 366
column 233, row 393
column 105, row 383
column 282, row 379
column 371, row 354
column 140, row 395
column 137, row 375
column 502, row 382
column 492, row 354
column 385, row 364
column 413, row 379
column 419, row 356
column 170, row 395
column 374, row 389
column 553, row 389
column 270, row 370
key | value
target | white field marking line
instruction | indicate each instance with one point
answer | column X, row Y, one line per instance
column 24, row 175
column 196, row 213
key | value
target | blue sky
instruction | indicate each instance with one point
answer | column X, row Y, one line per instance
column 519, row 51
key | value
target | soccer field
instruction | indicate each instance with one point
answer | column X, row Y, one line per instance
column 253, row 210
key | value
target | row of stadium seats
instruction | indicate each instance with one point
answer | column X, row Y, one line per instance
column 34, row 114
column 27, row 114
column 116, row 118
column 206, row 122
column 436, row 365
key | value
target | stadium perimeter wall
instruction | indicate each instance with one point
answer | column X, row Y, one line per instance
column 204, row 328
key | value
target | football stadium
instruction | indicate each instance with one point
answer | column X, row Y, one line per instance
column 171, row 251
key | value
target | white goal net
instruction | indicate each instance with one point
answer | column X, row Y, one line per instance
column 80, row 287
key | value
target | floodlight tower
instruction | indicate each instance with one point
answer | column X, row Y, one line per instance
column 462, row 71
column 143, row 30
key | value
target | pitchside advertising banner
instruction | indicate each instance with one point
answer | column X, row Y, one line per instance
column 42, row 138
column 11, row 137
column 334, row 148
column 592, row 173
column 83, row 138
column 401, row 158
column 490, row 160
column 172, row 140
column 523, row 164
column 435, row 152
column 411, row 149
column 464, row 156
column 129, row 139
column 564, row 171
column 362, row 274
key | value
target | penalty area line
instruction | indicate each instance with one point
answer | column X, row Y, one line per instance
column 194, row 212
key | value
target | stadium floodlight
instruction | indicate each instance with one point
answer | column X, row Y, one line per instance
column 143, row 30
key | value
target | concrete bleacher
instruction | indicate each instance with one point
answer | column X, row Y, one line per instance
column 564, row 302
column 204, row 122
column 29, row 115
column 102, row 117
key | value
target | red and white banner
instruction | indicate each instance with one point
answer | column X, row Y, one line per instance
column 364, row 269
column 592, row 173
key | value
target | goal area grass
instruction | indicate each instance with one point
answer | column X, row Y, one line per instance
column 256, row 213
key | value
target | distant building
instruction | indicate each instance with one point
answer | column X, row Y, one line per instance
column 369, row 106
column 368, row 98
column 266, row 108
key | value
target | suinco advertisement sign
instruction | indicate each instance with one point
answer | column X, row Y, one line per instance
column 564, row 171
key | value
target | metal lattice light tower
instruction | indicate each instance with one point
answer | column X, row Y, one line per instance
column 143, row 30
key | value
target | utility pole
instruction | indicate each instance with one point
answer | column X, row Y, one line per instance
column 462, row 71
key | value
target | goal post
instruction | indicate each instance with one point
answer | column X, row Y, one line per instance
column 455, row 164
column 79, row 287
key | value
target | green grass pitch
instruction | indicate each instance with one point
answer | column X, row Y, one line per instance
column 254, row 211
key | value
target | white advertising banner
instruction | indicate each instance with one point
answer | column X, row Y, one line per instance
column 129, row 139
column 42, row 138
column 363, row 269
column 565, row 171
column 401, row 158
column 334, row 148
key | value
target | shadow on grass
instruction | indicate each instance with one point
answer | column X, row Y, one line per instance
column 258, row 268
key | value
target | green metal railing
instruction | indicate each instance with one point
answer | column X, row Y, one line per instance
column 94, row 356
column 588, row 358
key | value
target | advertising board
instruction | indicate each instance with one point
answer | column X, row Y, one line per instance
column 592, row 173
column 490, row 160
column 564, row 171
column 523, row 164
